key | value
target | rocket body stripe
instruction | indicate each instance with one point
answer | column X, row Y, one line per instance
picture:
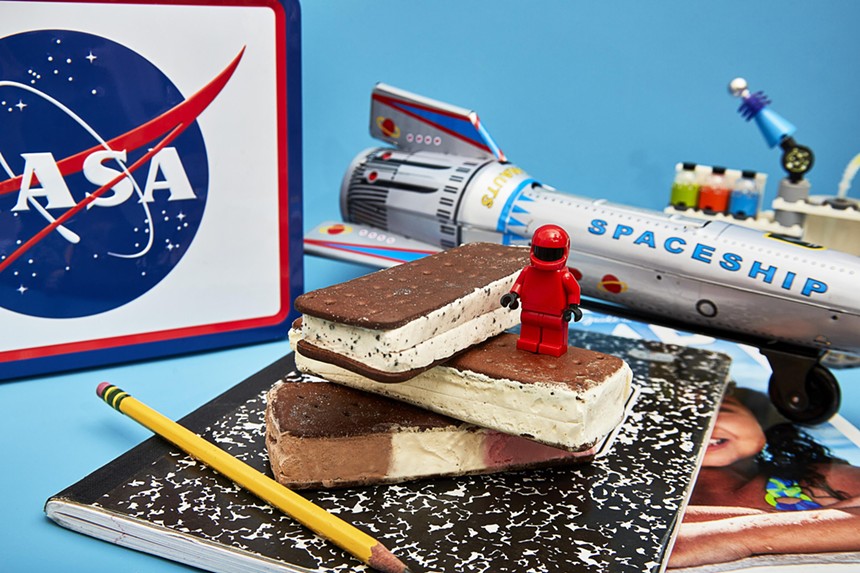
column 509, row 203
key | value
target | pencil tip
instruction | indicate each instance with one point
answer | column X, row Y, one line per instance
column 384, row 560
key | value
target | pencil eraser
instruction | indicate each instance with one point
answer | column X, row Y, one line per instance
column 101, row 389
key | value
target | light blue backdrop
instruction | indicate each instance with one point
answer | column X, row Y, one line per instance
column 595, row 98
column 599, row 98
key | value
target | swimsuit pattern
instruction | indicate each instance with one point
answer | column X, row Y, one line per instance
column 778, row 489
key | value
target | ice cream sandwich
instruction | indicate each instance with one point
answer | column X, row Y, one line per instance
column 321, row 435
column 393, row 324
column 569, row 402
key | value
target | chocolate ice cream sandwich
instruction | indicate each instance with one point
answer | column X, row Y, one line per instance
column 568, row 402
column 393, row 324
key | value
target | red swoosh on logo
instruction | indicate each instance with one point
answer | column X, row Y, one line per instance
column 183, row 113
column 174, row 120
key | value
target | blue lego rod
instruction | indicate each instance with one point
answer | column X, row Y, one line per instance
column 797, row 159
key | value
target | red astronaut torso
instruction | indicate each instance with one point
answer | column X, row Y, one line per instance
column 546, row 291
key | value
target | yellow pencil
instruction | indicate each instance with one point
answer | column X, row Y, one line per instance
column 315, row 518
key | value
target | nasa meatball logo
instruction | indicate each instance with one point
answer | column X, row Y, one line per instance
column 103, row 173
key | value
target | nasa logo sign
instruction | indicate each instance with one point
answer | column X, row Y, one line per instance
column 150, row 184
column 103, row 183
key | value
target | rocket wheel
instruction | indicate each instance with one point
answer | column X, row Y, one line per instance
column 823, row 398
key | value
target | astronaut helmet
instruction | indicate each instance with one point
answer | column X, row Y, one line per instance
column 550, row 247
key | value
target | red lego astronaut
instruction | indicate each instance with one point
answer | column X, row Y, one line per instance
column 549, row 294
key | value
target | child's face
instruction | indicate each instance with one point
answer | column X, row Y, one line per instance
column 737, row 435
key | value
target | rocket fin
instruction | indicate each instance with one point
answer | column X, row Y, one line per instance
column 355, row 243
column 415, row 123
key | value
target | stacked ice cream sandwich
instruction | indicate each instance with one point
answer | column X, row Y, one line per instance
column 321, row 434
column 430, row 334
column 391, row 325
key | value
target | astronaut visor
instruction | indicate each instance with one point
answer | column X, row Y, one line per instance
column 548, row 254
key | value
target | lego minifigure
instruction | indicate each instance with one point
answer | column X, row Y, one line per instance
column 549, row 294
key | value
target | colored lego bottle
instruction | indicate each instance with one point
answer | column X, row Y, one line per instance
column 744, row 199
column 714, row 194
column 685, row 188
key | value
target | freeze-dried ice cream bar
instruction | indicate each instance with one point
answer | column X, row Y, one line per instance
column 320, row 434
column 392, row 324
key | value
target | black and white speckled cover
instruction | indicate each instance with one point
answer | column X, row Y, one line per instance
column 616, row 514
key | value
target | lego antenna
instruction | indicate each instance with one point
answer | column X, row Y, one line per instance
column 797, row 159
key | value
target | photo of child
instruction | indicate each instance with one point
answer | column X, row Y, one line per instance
column 766, row 487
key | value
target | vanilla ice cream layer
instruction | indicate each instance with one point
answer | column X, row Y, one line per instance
column 404, row 455
column 448, row 451
column 552, row 414
column 467, row 450
column 361, row 344
column 428, row 338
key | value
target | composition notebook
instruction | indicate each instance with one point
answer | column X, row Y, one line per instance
column 618, row 513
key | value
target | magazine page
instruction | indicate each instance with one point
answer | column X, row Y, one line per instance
column 772, row 495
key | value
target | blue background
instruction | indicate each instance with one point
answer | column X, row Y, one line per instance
column 596, row 98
